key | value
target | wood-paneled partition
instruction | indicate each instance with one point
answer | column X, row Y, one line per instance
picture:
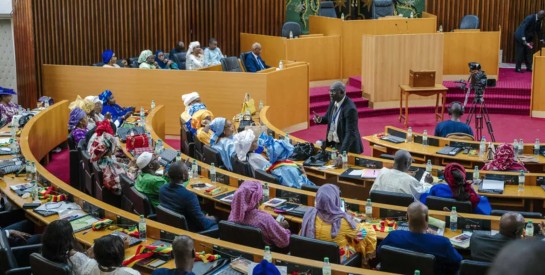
column 492, row 14
column 75, row 32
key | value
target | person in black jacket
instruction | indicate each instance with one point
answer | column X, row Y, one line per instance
column 342, row 121
column 524, row 36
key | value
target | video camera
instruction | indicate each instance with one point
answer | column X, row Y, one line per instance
column 477, row 79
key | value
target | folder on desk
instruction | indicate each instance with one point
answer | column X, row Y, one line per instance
column 393, row 139
column 492, row 186
column 449, row 150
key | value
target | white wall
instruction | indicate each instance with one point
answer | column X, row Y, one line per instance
column 7, row 55
column 5, row 8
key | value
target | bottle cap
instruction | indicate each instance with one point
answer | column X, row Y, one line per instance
column 454, row 208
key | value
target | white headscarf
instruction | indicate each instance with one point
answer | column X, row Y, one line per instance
column 188, row 98
column 192, row 45
column 243, row 142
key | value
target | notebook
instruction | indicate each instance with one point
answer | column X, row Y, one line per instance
column 393, row 139
column 449, row 150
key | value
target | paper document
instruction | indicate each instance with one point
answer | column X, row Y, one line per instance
column 370, row 173
column 356, row 173
column 489, row 184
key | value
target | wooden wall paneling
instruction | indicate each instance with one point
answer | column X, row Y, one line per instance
column 26, row 64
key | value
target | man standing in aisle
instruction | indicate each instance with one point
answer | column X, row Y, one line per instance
column 524, row 36
column 342, row 121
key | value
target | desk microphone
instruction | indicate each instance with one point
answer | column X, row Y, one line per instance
column 212, row 248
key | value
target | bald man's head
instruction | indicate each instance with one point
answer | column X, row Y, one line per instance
column 417, row 213
column 541, row 14
column 183, row 251
column 402, row 160
column 512, row 225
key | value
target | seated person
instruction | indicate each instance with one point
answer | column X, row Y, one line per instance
column 183, row 251
column 194, row 58
column 222, row 139
column 447, row 259
column 19, row 233
column 504, row 160
column 177, row 198
column 178, row 55
column 459, row 189
column 147, row 182
column 454, row 125
column 521, row 257
column 109, row 59
column 200, row 125
column 95, row 115
column 212, row 54
column 7, row 108
column 398, row 180
column 87, row 105
column 77, row 124
column 245, row 210
column 110, row 106
column 286, row 171
column 102, row 152
column 163, row 62
column 328, row 222
column 253, row 61
column 485, row 247
column 109, row 254
column 147, row 60
column 60, row 246
column 192, row 102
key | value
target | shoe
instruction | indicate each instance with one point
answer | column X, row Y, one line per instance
column 518, row 70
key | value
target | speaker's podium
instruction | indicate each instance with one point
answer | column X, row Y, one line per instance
column 387, row 60
column 537, row 105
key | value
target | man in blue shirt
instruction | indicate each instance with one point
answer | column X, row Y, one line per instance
column 453, row 125
column 184, row 257
column 447, row 259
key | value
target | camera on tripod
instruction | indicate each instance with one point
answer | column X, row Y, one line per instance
column 477, row 80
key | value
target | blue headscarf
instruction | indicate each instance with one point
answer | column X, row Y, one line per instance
column 195, row 107
column 265, row 268
column 107, row 56
column 105, row 96
column 217, row 126
column 6, row 91
column 76, row 115
column 277, row 150
column 161, row 64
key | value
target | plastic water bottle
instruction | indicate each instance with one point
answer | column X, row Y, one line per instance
column 411, row 15
column 530, row 229
column 267, row 254
column 342, row 15
column 409, row 135
column 516, row 147
column 369, row 209
column 28, row 169
column 287, row 138
column 345, row 160
column 13, row 130
column 281, row 65
column 326, row 268
column 150, row 140
column 212, row 173
column 46, row 103
column 425, row 138
column 195, row 169
column 33, row 175
column 159, row 147
column 476, row 176
column 142, row 116
column 35, row 195
column 440, row 28
column 179, row 157
column 334, row 155
column 522, row 179
column 521, row 147
column 453, row 219
column 291, row 35
column 417, row 272
column 142, row 228
column 152, row 104
column 266, row 191
column 482, row 147
column 260, row 106
column 536, row 147
column 429, row 167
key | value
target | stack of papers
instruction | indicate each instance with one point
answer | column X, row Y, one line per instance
column 365, row 173
column 495, row 186
column 462, row 240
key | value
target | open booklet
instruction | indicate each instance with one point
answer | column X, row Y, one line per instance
column 365, row 173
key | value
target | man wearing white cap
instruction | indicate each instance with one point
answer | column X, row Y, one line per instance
column 147, row 182
column 192, row 102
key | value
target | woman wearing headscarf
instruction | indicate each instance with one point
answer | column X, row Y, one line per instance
column 244, row 210
column 7, row 108
column 109, row 105
column 96, row 114
column 102, row 152
column 222, row 139
column 504, row 160
column 328, row 222
column 199, row 125
column 109, row 59
column 460, row 189
column 246, row 146
column 87, row 106
column 147, row 60
column 194, row 56
column 77, row 124
column 163, row 62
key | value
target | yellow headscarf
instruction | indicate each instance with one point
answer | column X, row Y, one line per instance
column 198, row 116
column 86, row 105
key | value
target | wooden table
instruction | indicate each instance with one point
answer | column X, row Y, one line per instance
column 406, row 90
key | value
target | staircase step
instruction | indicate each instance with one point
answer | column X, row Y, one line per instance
column 354, row 81
column 321, row 107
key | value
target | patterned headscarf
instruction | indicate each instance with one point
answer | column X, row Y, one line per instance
column 107, row 56
column 217, row 126
column 76, row 115
column 105, row 96
column 328, row 208
column 246, row 199
column 504, row 160
column 104, row 127
column 191, row 110
column 101, row 146
column 243, row 142
column 84, row 104
column 144, row 56
column 455, row 187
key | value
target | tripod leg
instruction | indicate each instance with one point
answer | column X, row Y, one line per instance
column 488, row 122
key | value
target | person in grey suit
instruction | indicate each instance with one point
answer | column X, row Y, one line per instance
column 485, row 247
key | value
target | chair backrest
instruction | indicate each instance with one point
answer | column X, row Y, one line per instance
column 327, row 9
column 392, row 198
column 438, row 203
column 179, row 58
column 133, row 62
column 461, row 136
column 243, row 60
column 71, row 144
column 88, row 176
column 187, row 144
column 241, row 234
column 311, row 188
column 469, row 22
column 102, row 193
column 314, row 249
column 294, row 27
column 469, row 267
column 142, row 205
column 211, row 155
column 43, row 266
column 126, row 184
column 382, row 8
column 264, row 176
column 75, row 164
column 7, row 259
column 397, row 260
column 533, row 215
column 230, row 64
column 167, row 216
column 198, row 149
column 242, row 167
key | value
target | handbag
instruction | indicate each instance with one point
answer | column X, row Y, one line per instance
column 136, row 141
column 248, row 105
column 302, row 151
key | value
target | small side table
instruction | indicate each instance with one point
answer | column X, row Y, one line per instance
column 407, row 90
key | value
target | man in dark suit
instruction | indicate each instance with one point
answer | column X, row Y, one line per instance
column 524, row 36
column 253, row 61
column 485, row 247
column 342, row 121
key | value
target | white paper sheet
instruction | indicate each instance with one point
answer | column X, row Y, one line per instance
column 493, row 184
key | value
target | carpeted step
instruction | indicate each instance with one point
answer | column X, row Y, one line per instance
column 354, row 81
column 318, row 94
column 321, row 107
